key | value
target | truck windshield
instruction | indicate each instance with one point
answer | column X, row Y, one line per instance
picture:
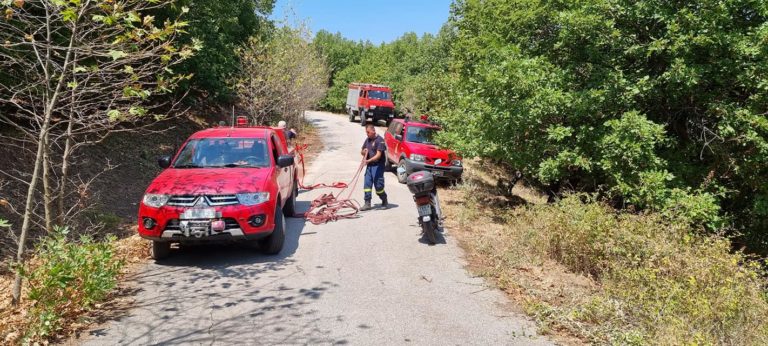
column 417, row 134
column 223, row 152
column 378, row 95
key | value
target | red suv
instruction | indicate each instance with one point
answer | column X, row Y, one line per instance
column 224, row 184
column 410, row 147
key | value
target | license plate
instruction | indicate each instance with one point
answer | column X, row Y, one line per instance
column 425, row 210
column 198, row 213
column 438, row 173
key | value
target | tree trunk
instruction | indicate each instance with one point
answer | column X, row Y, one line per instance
column 64, row 174
column 16, row 294
column 41, row 148
column 47, row 193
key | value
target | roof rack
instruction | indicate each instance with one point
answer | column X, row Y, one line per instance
column 368, row 85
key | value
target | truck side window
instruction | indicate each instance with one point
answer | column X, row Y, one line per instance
column 391, row 128
column 275, row 152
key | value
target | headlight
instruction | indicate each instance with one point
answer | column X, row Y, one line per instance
column 456, row 163
column 253, row 198
column 155, row 200
column 417, row 157
column 373, row 107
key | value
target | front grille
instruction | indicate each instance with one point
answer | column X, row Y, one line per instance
column 216, row 200
column 382, row 110
column 211, row 200
column 182, row 201
column 230, row 223
column 440, row 168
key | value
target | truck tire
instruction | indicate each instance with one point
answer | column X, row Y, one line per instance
column 351, row 114
column 387, row 165
column 289, row 209
column 160, row 250
column 401, row 178
column 273, row 244
column 363, row 120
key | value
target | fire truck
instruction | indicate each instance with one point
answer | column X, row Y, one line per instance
column 370, row 101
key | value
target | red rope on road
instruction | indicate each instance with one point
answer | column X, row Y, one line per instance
column 328, row 207
column 335, row 185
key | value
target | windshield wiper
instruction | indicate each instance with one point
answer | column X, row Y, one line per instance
column 187, row 166
column 234, row 165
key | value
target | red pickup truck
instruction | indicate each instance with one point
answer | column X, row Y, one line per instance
column 225, row 184
column 410, row 148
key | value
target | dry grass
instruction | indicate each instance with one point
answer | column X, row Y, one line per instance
column 588, row 274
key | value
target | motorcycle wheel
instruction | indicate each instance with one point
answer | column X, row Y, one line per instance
column 430, row 231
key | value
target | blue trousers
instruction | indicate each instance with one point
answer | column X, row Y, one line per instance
column 374, row 177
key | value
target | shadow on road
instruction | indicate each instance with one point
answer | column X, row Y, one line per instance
column 440, row 239
column 228, row 294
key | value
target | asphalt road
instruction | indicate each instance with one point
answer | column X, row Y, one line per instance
column 367, row 281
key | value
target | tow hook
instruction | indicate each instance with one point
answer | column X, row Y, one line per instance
column 194, row 229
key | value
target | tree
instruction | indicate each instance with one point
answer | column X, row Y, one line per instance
column 222, row 27
column 339, row 53
column 73, row 69
column 280, row 77
column 553, row 88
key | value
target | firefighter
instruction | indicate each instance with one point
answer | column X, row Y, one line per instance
column 374, row 152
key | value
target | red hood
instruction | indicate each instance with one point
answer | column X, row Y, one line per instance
column 432, row 151
column 381, row 103
column 200, row 181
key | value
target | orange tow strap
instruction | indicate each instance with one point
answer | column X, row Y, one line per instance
column 328, row 207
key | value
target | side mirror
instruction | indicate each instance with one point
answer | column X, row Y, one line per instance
column 164, row 161
column 285, row 161
column 399, row 138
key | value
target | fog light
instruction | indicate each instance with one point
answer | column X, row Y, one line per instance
column 149, row 223
column 257, row 220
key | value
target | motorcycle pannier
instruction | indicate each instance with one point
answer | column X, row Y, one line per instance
column 420, row 182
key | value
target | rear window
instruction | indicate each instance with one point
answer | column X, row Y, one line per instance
column 223, row 152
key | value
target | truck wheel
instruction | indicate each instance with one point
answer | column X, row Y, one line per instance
column 362, row 120
column 273, row 244
column 387, row 165
column 289, row 209
column 351, row 114
column 160, row 250
column 401, row 177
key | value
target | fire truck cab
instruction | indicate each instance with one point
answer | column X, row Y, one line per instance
column 370, row 101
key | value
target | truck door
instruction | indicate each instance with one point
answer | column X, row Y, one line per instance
column 284, row 175
column 397, row 144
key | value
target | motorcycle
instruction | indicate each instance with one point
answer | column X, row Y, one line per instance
column 422, row 186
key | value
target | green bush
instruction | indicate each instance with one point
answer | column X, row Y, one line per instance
column 67, row 277
column 659, row 102
column 659, row 282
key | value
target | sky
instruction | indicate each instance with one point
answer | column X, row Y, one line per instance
column 378, row 21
